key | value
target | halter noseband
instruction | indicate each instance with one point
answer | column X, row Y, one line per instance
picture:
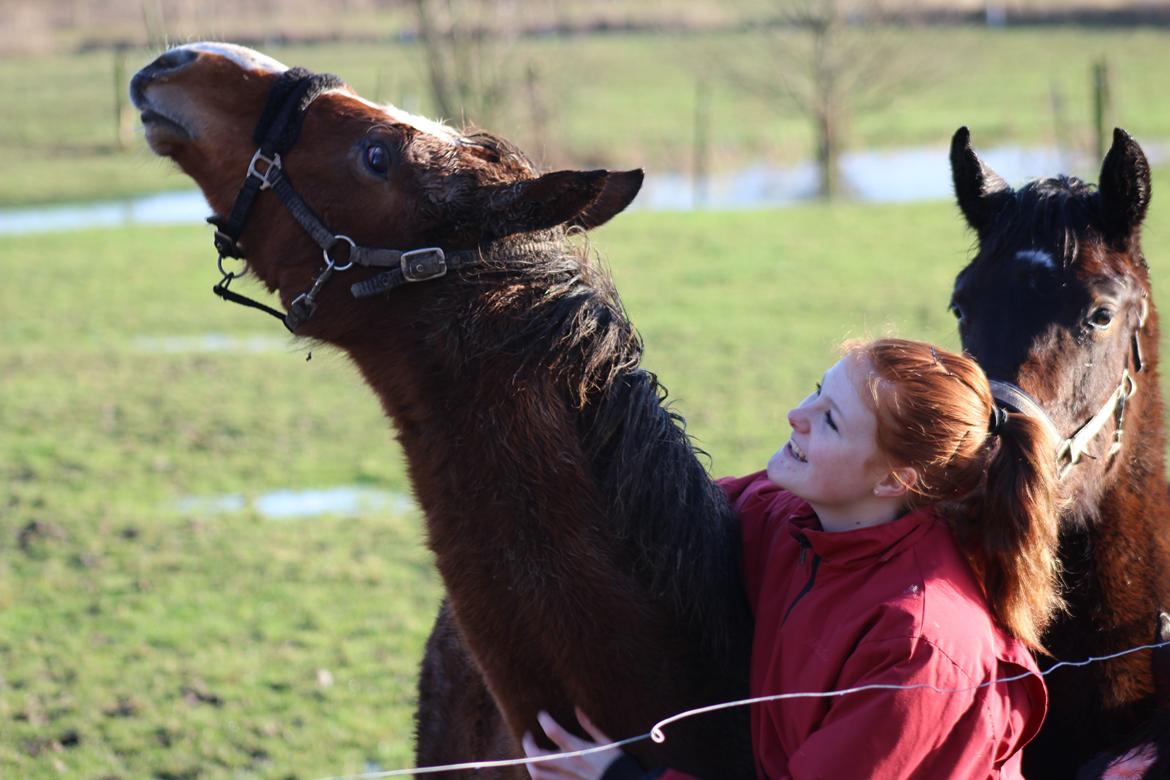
column 276, row 133
column 1074, row 447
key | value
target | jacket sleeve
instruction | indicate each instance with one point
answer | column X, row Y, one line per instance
column 888, row 734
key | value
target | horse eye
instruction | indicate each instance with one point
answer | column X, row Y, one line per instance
column 1101, row 317
column 956, row 310
column 378, row 158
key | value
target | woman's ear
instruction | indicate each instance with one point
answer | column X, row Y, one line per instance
column 897, row 482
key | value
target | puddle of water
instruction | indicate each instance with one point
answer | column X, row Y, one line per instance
column 888, row 176
column 211, row 342
column 211, row 505
column 346, row 501
column 184, row 207
column 349, row 501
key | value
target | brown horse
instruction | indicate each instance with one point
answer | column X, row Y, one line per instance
column 587, row 557
column 1057, row 301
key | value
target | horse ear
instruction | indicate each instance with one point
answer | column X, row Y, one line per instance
column 979, row 190
column 545, row 202
column 618, row 192
column 1124, row 187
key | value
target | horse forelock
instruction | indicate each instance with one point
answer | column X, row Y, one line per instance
column 1046, row 222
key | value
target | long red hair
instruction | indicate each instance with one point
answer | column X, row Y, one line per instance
column 994, row 475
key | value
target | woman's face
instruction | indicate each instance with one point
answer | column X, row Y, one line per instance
column 832, row 459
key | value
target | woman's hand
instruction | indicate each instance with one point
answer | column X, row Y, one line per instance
column 589, row 767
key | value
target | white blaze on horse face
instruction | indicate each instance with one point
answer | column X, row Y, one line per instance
column 1036, row 257
column 398, row 116
column 247, row 59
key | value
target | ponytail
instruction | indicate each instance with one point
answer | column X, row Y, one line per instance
column 994, row 473
column 1009, row 530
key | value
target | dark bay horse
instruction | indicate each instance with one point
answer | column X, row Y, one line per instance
column 587, row 557
column 1058, row 302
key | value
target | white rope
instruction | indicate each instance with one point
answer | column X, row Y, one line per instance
column 429, row 770
column 656, row 734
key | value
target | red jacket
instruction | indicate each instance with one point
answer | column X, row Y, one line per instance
column 896, row 604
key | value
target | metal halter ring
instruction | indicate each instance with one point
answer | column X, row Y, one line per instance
column 231, row 274
column 329, row 260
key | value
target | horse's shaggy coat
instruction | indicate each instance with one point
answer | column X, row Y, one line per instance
column 588, row 558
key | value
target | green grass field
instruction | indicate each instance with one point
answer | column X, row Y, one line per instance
column 145, row 637
column 619, row 100
column 138, row 639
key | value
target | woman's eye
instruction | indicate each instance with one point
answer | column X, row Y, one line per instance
column 1101, row 317
column 829, row 420
column 378, row 158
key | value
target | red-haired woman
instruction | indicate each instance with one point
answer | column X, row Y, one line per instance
column 905, row 535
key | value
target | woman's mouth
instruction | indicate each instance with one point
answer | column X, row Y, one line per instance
column 797, row 452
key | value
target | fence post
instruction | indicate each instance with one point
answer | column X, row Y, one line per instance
column 539, row 112
column 702, row 135
column 121, row 126
column 1059, row 123
column 1102, row 105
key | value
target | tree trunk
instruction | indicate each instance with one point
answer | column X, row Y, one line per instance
column 828, row 152
column 436, row 66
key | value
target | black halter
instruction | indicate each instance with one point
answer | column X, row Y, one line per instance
column 276, row 133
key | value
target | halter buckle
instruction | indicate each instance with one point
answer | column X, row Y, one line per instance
column 272, row 167
column 419, row 265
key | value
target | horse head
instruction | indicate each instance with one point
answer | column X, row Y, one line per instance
column 374, row 175
column 1057, row 299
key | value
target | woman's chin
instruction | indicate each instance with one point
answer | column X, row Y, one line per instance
column 777, row 472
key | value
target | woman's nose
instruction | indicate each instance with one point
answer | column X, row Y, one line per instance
column 798, row 420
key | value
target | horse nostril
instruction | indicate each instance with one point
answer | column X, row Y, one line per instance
column 164, row 65
column 172, row 60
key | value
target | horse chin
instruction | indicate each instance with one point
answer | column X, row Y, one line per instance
column 164, row 134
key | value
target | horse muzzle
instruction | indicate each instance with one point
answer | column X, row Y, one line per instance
column 164, row 122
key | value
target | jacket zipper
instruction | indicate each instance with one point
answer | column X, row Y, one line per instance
column 812, row 576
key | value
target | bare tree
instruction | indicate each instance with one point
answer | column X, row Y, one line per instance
column 469, row 48
column 830, row 60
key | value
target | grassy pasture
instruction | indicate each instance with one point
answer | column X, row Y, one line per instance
column 138, row 639
column 59, row 139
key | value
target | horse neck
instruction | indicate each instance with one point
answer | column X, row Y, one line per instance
column 553, row 450
column 1118, row 561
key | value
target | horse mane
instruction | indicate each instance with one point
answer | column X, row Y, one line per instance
column 545, row 305
column 1056, row 214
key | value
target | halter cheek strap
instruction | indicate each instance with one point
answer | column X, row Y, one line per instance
column 1072, row 449
column 276, row 133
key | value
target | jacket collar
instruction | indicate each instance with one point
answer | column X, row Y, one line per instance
column 864, row 546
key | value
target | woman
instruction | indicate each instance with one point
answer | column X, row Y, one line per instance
column 905, row 535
